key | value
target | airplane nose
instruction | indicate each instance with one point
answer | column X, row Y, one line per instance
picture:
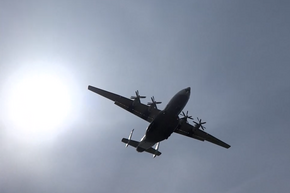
column 187, row 90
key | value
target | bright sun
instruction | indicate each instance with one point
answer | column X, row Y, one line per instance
column 38, row 104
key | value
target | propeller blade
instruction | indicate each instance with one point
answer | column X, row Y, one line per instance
column 185, row 116
column 137, row 96
column 154, row 103
column 199, row 124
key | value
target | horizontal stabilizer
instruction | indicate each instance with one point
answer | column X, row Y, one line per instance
column 153, row 151
column 136, row 143
column 130, row 142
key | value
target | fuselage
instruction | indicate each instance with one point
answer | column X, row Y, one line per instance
column 165, row 122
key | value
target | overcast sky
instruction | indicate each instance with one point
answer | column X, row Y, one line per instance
column 235, row 56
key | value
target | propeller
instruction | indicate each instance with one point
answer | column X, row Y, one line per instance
column 185, row 116
column 153, row 103
column 200, row 124
column 137, row 96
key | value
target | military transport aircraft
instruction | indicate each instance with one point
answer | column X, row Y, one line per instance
column 162, row 122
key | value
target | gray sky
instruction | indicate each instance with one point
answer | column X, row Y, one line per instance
column 233, row 54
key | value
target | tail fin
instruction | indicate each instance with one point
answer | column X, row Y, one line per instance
column 130, row 136
column 156, row 149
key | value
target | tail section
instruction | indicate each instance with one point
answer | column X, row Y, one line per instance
column 135, row 144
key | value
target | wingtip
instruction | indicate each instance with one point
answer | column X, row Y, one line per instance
column 90, row 87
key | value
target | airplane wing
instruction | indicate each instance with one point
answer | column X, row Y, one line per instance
column 138, row 109
column 190, row 131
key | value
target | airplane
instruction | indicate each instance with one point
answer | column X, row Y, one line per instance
column 162, row 122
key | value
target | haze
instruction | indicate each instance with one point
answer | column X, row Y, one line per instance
column 233, row 54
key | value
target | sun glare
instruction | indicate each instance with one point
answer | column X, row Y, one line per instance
column 38, row 104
